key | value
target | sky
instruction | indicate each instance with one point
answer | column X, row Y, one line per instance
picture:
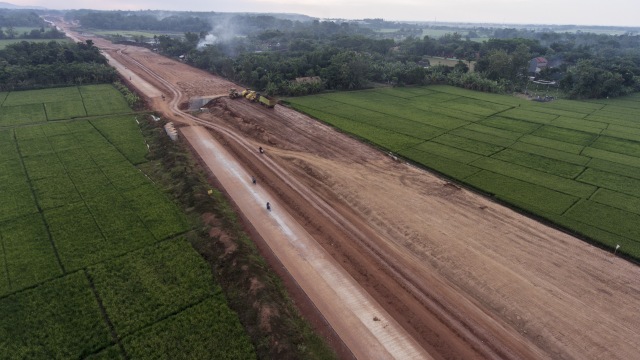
column 554, row 12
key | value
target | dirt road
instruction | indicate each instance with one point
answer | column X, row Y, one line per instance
column 465, row 277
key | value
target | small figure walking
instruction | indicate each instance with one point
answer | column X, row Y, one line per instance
column 268, row 206
column 261, row 150
column 253, row 180
column 162, row 97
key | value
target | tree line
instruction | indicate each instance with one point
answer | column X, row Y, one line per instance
column 588, row 66
column 269, row 53
column 29, row 65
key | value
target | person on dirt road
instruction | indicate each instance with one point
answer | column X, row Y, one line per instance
column 253, row 180
column 268, row 206
column 261, row 150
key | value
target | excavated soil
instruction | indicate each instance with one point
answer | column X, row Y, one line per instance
column 465, row 276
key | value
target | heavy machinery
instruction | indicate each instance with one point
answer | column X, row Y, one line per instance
column 234, row 94
column 256, row 97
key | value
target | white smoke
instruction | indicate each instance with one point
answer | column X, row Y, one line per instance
column 210, row 39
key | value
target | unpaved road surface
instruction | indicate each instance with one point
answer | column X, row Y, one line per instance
column 465, row 277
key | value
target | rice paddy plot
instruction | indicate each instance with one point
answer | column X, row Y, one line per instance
column 404, row 93
column 611, row 156
column 22, row 114
column 606, row 217
column 474, row 146
column 551, row 153
column 493, row 131
column 42, row 96
column 516, row 126
column 150, row 284
column 550, row 181
column 530, row 196
column 208, row 330
column 615, row 168
column 628, row 135
column 59, row 319
column 476, row 107
column 123, row 132
column 103, row 100
column 553, row 111
column 55, row 191
column 617, row 200
column 64, row 110
column 576, row 108
column 552, row 144
column 16, row 199
column 529, row 114
column 439, row 163
column 594, row 127
column 449, row 152
column 29, row 257
column 539, row 162
column 617, row 145
column 480, row 136
column 567, row 135
column 627, row 119
column 611, row 181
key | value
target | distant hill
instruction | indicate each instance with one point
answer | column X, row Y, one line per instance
column 4, row 5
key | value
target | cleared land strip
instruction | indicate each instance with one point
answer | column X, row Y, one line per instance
column 358, row 319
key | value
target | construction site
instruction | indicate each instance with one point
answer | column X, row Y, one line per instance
column 393, row 260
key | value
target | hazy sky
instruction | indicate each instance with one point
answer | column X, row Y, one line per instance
column 582, row 12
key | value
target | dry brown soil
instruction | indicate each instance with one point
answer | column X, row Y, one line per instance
column 466, row 277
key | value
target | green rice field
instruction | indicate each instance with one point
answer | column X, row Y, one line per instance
column 40, row 106
column 575, row 163
column 94, row 262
